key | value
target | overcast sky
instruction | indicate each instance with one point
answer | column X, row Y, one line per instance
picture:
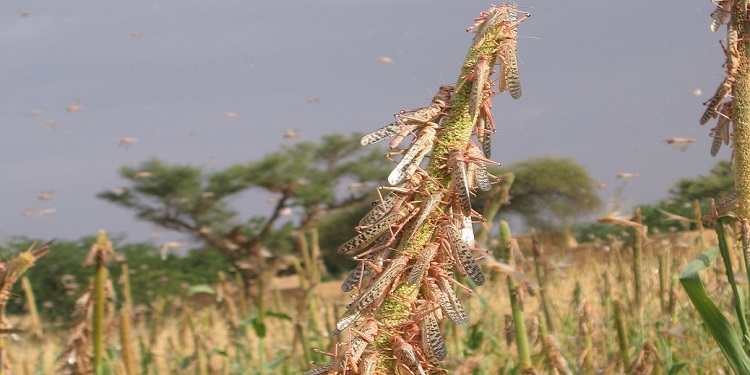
column 604, row 83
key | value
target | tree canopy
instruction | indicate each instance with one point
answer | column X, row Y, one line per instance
column 551, row 192
column 676, row 212
column 719, row 180
column 308, row 176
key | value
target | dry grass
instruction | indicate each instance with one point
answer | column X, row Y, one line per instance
column 482, row 348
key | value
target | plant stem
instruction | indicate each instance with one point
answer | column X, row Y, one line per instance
column 699, row 223
column 457, row 127
column 128, row 352
column 542, row 278
column 36, row 325
column 637, row 258
column 741, row 107
column 100, row 275
column 622, row 337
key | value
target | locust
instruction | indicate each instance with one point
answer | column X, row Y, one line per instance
column 363, row 270
column 408, row 121
column 466, row 264
column 505, row 17
column 732, row 52
column 425, row 115
column 406, row 356
column 712, row 105
column 476, row 170
column 355, row 349
column 484, row 129
column 467, row 231
column 383, row 133
column 485, row 23
column 395, row 198
column 484, row 126
column 508, row 45
column 380, row 209
column 449, row 301
column 369, row 363
column 725, row 88
column 425, row 209
column 726, row 203
column 373, row 293
column 721, row 14
column 423, row 262
column 325, row 369
column 433, row 344
column 375, row 230
column 417, row 151
column 720, row 132
column 357, row 346
column 459, row 180
column 481, row 81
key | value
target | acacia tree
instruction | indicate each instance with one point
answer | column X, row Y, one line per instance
column 189, row 200
column 717, row 186
column 549, row 192
column 719, row 180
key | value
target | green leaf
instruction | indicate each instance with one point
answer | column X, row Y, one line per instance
column 259, row 327
column 279, row 315
column 716, row 323
column 677, row 368
column 146, row 358
column 475, row 337
column 186, row 362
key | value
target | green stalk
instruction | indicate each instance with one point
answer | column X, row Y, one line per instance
column 304, row 251
column 741, row 123
column 498, row 196
column 605, row 300
column 201, row 367
column 741, row 108
column 584, row 327
column 304, row 310
column 621, row 278
column 577, row 295
column 672, row 300
column 156, row 321
column 547, row 348
column 102, row 243
column 128, row 352
column 127, row 295
column 622, row 336
column 663, row 282
column 637, row 258
column 308, row 278
column 514, row 292
column 541, row 276
column 261, row 323
column 608, row 308
column 241, row 296
column 699, row 223
column 98, row 329
column 36, row 325
column 314, row 255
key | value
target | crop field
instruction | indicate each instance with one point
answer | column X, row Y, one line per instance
column 589, row 292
